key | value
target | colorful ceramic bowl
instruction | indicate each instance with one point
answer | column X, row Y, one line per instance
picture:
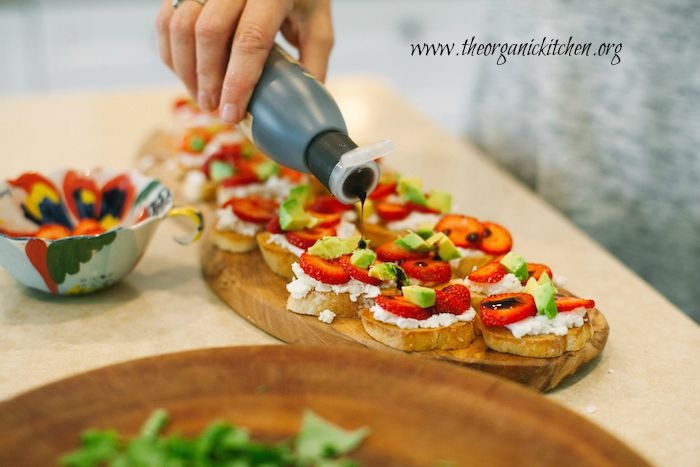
column 109, row 216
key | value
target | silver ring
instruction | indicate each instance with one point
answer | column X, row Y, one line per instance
column 176, row 3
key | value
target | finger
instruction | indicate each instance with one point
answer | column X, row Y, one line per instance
column 182, row 44
column 316, row 41
column 163, row 31
column 213, row 33
column 255, row 34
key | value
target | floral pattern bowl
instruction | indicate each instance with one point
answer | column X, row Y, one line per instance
column 75, row 232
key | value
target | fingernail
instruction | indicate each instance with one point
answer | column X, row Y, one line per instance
column 205, row 101
column 229, row 113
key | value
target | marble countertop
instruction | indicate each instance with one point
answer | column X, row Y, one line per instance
column 643, row 388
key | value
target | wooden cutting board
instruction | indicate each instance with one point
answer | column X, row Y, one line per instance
column 420, row 412
column 245, row 283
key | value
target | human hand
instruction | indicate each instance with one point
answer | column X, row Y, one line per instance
column 219, row 49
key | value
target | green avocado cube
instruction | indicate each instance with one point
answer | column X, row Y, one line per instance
column 363, row 258
column 544, row 300
column 411, row 189
column 384, row 271
column 219, row 170
column 516, row 265
column 425, row 230
column 333, row 247
column 545, row 279
column 293, row 216
column 424, row 297
column 267, row 169
column 414, row 242
column 440, row 201
column 447, row 250
column 530, row 286
column 301, row 193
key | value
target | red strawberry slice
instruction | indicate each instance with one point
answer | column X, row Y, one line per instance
column 420, row 208
column 428, row 270
column 402, row 307
column 88, row 227
column 455, row 299
column 507, row 308
column 464, row 231
column 570, row 303
column 307, row 237
column 391, row 252
column 253, row 209
column 383, row 190
column 355, row 272
column 497, row 239
column 328, row 205
column 389, row 212
column 242, row 177
column 535, row 270
column 488, row 274
column 274, row 226
column 323, row 270
column 326, row 220
column 52, row 232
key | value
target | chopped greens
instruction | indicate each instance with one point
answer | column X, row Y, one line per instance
column 318, row 444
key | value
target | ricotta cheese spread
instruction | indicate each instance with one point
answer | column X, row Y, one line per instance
column 326, row 316
column 438, row 320
column 274, row 187
column 281, row 240
column 413, row 221
column 509, row 284
column 540, row 324
column 303, row 284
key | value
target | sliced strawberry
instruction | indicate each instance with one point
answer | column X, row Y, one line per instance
column 507, row 308
column 323, row 270
column 326, row 220
column 242, row 177
column 402, row 307
column 383, row 190
column 355, row 272
column 420, row 208
column 88, row 227
column 391, row 252
column 570, row 303
column 455, row 299
column 307, row 237
column 535, row 270
column 52, row 232
column 497, row 239
column 274, row 226
column 389, row 212
column 488, row 274
column 253, row 209
column 328, row 205
column 428, row 270
column 464, row 231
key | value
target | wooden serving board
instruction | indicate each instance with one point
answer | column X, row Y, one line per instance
column 420, row 413
column 245, row 283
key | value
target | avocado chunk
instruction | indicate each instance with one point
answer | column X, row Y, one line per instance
column 424, row 297
column 515, row 264
column 266, row 169
column 425, row 230
column 301, row 193
column 440, row 201
column 544, row 300
column 385, row 271
column 293, row 216
column 411, row 189
column 219, row 170
column 363, row 258
column 530, row 286
column 447, row 250
column 545, row 279
column 333, row 247
column 414, row 242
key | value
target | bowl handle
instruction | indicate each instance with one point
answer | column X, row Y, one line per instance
column 195, row 215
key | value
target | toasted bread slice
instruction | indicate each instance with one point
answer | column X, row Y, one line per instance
column 277, row 258
column 378, row 234
column 469, row 263
column 233, row 242
column 454, row 336
column 315, row 302
column 501, row 339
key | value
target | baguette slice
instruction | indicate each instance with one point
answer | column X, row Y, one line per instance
column 455, row 336
column 233, row 242
column 315, row 302
column 277, row 258
column 501, row 339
